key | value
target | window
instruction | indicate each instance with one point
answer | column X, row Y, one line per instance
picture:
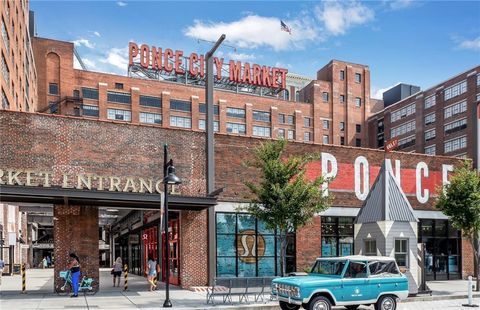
column 148, row 101
column 202, row 125
column 402, row 129
column 76, row 93
column 118, row 85
column 430, row 134
column 291, row 119
column 455, row 109
column 358, row 142
column 307, row 136
column 281, row 118
column 326, row 124
column 358, row 78
column 326, row 139
column 238, row 249
column 356, row 270
column 478, row 79
column 179, row 121
column 119, row 97
column 5, row 103
column 53, row 88
column 337, row 236
column 342, row 75
column 379, row 268
column 370, row 247
column 291, row 134
column 342, row 140
column 281, row 133
column 455, row 144
column 455, row 126
column 90, row 93
column 401, row 252
column 236, row 128
column 261, row 116
column 325, row 97
column 358, row 128
column 358, row 102
column 179, row 105
column 202, row 108
column 261, row 131
column 5, row 37
column 403, row 112
column 5, row 71
column 342, row 98
column 237, row 113
column 430, row 101
column 120, row 115
column 430, row 150
column 297, row 96
column 455, row 90
column 406, row 142
column 342, row 126
column 307, row 122
column 150, row 118
column 90, row 110
column 430, row 119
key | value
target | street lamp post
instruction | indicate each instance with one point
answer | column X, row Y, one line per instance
column 169, row 177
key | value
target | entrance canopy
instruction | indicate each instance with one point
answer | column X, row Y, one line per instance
column 126, row 200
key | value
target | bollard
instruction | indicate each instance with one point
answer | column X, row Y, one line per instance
column 125, row 285
column 470, row 296
column 24, row 285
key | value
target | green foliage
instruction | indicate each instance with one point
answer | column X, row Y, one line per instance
column 283, row 198
column 460, row 200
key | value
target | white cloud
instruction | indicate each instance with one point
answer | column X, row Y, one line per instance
column 255, row 31
column 400, row 4
column 117, row 58
column 97, row 33
column 377, row 93
column 241, row 56
column 338, row 17
column 121, row 3
column 90, row 64
column 83, row 42
column 470, row 44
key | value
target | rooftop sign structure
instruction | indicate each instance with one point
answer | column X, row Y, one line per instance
column 174, row 66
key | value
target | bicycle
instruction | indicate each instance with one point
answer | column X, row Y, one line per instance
column 87, row 285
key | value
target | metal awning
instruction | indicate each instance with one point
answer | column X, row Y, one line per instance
column 138, row 201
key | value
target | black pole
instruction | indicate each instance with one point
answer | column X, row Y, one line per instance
column 167, row 303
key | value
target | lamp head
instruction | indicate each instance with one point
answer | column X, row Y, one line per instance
column 171, row 178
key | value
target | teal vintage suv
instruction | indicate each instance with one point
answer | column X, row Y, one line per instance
column 348, row 281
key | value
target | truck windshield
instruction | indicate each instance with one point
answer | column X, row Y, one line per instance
column 329, row 267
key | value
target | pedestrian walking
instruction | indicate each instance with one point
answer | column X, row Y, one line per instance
column 74, row 266
column 117, row 270
column 44, row 263
column 2, row 265
column 49, row 262
column 151, row 272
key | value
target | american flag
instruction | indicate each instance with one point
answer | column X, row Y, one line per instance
column 284, row 27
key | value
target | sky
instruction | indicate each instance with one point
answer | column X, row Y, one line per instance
column 418, row 42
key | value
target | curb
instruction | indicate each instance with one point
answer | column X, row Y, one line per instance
column 439, row 297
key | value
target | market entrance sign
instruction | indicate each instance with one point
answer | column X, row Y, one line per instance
column 170, row 61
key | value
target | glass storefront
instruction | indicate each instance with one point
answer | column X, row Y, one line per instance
column 337, row 236
column 442, row 249
column 246, row 248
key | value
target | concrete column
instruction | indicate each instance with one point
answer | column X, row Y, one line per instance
column 165, row 109
column 102, row 100
column 135, row 93
column 76, row 230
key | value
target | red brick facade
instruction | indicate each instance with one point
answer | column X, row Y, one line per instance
column 308, row 243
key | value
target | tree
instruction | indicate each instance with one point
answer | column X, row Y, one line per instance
column 283, row 199
column 460, row 200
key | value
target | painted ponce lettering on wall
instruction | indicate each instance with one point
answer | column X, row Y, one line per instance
column 170, row 61
column 79, row 181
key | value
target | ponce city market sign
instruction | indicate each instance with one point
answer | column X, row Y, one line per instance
column 170, row 61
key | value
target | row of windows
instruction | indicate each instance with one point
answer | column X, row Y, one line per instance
column 261, row 116
column 455, row 109
column 261, row 131
column 406, row 142
column 150, row 118
column 236, row 128
column 403, row 129
column 286, row 119
column 455, row 90
column 122, row 115
column 430, row 135
column 430, row 150
column 235, row 112
column 202, row 108
column 403, row 112
column 455, row 144
column 430, row 101
column 478, row 79
column 5, row 103
column 180, row 105
column 119, row 97
column 202, row 125
column 455, row 126
column 290, row 132
column 430, row 119
column 149, row 101
column 5, row 71
column 90, row 110
column 180, row 121
column 5, row 37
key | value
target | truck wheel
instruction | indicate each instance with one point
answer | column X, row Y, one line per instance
column 286, row 306
column 386, row 302
column 320, row 303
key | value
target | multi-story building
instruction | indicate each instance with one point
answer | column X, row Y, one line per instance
column 18, row 83
column 330, row 110
column 440, row 120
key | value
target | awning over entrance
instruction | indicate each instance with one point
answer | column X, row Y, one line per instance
column 140, row 201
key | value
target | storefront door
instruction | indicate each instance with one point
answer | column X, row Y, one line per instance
column 174, row 253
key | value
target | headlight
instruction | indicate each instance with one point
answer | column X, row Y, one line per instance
column 295, row 291
column 274, row 288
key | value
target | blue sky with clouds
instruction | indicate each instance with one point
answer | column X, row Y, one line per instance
column 418, row 42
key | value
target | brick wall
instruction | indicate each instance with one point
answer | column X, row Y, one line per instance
column 308, row 243
column 467, row 258
column 76, row 231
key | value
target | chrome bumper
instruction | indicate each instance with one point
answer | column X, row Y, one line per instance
column 286, row 299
